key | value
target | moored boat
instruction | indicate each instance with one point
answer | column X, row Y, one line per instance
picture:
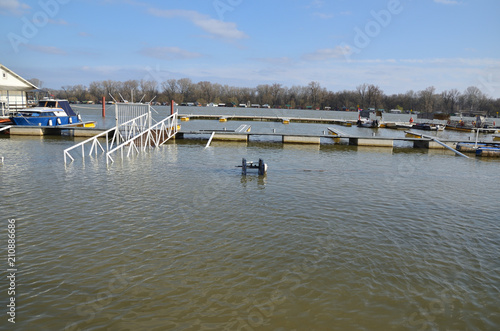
column 399, row 125
column 459, row 127
column 48, row 112
column 368, row 123
column 428, row 127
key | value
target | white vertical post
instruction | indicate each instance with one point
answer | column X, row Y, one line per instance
column 477, row 137
column 149, row 116
column 117, row 105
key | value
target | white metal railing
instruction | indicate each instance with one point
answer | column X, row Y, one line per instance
column 136, row 133
column 154, row 136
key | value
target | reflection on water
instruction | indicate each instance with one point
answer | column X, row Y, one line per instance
column 333, row 237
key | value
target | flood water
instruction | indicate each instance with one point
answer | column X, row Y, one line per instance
column 332, row 238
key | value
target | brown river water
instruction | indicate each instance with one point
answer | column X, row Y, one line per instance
column 332, row 238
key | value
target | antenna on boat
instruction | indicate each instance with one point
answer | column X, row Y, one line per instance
column 152, row 100
column 121, row 97
column 142, row 98
column 112, row 97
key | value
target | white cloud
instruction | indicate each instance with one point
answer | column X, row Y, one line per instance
column 327, row 54
column 316, row 4
column 105, row 71
column 281, row 61
column 169, row 53
column 46, row 49
column 40, row 21
column 12, row 7
column 447, row 2
column 216, row 28
column 452, row 62
column 324, row 16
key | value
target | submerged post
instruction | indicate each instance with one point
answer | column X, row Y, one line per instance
column 244, row 166
column 262, row 167
column 103, row 106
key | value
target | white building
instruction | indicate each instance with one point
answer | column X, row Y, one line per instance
column 13, row 90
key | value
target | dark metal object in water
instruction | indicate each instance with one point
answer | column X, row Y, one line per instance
column 261, row 166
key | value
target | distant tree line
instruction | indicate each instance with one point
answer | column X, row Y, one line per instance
column 312, row 96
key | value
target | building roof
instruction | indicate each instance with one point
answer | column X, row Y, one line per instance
column 10, row 81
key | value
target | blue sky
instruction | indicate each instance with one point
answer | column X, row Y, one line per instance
column 399, row 45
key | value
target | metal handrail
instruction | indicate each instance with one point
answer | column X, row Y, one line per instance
column 94, row 141
column 127, row 134
column 170, row 129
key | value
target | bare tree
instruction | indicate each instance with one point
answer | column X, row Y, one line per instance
column 185, row 88
column 427, row 97
column 473, row 97
column 170, row 89
column 362, row 91
column 450, row 100
column 365, row 95
column 374, row 96
column 314, row 95
column 37, row 82
column 149, row 90
column 206, row 91
column 276, row 91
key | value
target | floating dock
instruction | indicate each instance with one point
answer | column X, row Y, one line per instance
column 284, row 120
column 337, row 137
column 86, row 129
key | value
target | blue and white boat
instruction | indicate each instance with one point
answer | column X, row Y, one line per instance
column 48, row 112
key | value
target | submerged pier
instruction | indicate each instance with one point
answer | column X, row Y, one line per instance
column 279, row 119
column 340, row 138
column 134, row 132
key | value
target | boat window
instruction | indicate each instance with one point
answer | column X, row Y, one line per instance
column 51, row 104
column 25, row 114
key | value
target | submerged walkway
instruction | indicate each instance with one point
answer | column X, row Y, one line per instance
column 337, row 137
column 250, row 118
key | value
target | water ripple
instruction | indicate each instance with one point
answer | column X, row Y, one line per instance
column 178, row 239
